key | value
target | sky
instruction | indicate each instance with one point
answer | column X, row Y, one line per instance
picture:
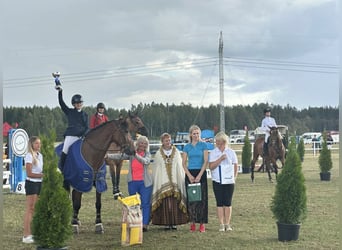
column 122, row 53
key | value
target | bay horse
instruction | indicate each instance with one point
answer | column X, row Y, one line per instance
column 276, row 151
column 93, row 149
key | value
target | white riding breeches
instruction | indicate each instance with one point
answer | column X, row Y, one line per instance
column 68, row 141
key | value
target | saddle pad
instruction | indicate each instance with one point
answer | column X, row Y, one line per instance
column 79, row 173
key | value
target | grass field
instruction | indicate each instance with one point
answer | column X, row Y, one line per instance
column 252, row 222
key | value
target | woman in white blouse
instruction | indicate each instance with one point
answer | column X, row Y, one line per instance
column 223, row 164
column 33, row 183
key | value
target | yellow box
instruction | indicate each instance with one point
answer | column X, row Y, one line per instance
column 123, row 232
column 135, row 237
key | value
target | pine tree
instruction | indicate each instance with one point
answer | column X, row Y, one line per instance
column 301, row 149
column 289, row 201
column 325, row 162
column 51, row 223
column 246, row 153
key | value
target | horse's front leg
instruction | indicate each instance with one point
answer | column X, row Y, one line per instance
column 98, row 222
column 268, row 168
column 276, row 171
column 76, row 204
column 282, row 162
column 252, row 170
column 115, row 169
column 118, row 166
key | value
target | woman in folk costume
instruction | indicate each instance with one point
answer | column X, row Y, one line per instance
column 169, row 193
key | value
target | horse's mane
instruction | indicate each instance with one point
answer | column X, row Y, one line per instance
column 100, row 126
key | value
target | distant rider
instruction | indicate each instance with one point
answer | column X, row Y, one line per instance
column 266, row 124
column 99, row 117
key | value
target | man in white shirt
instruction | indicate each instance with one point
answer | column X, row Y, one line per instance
column 266, row 124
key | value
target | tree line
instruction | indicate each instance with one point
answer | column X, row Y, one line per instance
column 160, row 118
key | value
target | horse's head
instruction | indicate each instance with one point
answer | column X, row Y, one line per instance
column 273, row 130
column 275, row 136
column 124, row 142
column 129, row 148
column 135, row 124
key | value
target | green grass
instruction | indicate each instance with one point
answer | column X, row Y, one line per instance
column 254, row 227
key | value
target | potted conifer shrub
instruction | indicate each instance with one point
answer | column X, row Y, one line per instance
column 325, row 162
column 289, row 201
column 246, row 155
column 301, row 149
column 51, row 225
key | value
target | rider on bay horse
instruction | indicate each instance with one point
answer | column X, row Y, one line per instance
column 266, row 124
column 77, row 125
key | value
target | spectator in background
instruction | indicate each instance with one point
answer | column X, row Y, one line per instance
column 315, row 143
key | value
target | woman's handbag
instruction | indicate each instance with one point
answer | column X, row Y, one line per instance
column 194, row 192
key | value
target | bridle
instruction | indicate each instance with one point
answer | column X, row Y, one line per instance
column 277, row 142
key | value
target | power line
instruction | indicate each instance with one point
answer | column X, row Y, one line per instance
column 136, row 70
column 124, row 68
column 286, row 69
column 103, row 76
column 280, row 62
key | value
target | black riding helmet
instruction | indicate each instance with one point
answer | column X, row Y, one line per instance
column 268, row 109
column 100, row 105
column 76, row 99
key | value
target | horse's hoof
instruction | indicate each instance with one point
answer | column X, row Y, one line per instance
column 75, row 229
column 99, row 228
column 76, row 222
column 116, row 195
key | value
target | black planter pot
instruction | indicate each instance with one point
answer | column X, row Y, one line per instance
column 325, row 176
column 246, row 170
column 288, row 232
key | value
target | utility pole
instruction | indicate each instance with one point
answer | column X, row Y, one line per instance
column 222, row 123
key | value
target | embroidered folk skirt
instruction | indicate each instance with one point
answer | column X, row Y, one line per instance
column 198, row 211
column 169, row 213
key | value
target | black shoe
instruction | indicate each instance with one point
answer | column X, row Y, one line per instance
column 144, row 229
column 174, row 227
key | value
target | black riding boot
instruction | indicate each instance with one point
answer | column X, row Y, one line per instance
column 62, row 161
column 265, row 148
column 66, row 186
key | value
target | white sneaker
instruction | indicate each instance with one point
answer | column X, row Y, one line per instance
column 28, row 239
column 221, row 229
column 228, row 227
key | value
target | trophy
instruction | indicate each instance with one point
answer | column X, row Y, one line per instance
column 56, row 75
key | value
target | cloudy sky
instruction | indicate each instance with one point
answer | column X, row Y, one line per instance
column 123, row 53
